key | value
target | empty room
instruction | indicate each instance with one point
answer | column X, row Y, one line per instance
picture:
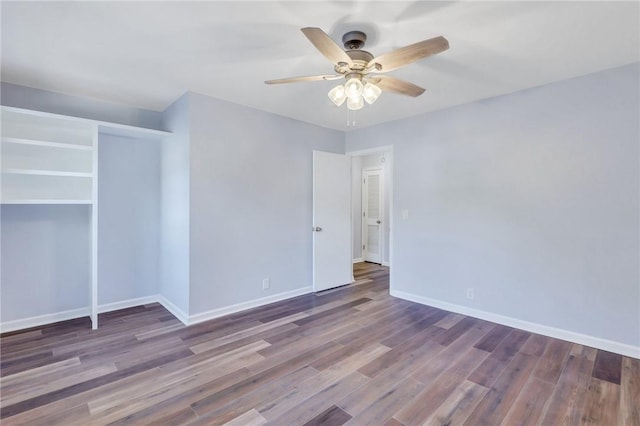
column 305, row 213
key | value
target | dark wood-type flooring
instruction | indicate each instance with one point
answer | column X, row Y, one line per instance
column 353, row 355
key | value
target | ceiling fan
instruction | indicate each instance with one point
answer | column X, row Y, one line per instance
column 362, row 70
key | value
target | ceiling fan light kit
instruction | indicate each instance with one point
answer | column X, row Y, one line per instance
column 361, row 69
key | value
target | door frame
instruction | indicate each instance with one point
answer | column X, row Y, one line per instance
column 385, row 149
column 364, row 232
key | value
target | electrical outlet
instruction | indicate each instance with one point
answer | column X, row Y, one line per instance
column 470, row 293
column 265, row 283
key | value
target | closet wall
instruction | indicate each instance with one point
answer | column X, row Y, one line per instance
column 129, row 219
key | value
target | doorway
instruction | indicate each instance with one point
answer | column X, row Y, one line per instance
column 338, row 214
column 371, row 173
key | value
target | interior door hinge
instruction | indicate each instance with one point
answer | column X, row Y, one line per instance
column 363, row 247
column 364, row 214
column 364, row 181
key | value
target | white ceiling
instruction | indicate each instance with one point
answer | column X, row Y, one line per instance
column 147, row 54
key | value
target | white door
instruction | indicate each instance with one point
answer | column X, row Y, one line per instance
column 372, row 206
column 332, row 265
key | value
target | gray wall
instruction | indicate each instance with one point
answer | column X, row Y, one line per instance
column 129, row 218
column 251, row 175
column 175, row 199
column 45, row 259
column 532, row 199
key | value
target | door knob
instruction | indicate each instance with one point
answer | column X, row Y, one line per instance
column 378, row 222
column 317, row 229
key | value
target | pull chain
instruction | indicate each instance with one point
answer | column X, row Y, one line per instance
column 351, row 122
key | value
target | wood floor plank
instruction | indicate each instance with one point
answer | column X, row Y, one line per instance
column 332, row 416
column 250, row 418
column 487, row 373
column 458, row 406
column 608, row 366
column 552, row 361
column 384, row 406
column 350, row 355
column 449, row 321
column 313, row 406
column 301, row 393
column 491, row 339
column 602, row 403
column 630, row 392
column 529, row 406
column 440, row 387
column 495, row 405
column 569, row 391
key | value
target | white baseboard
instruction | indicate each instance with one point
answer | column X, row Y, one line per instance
column 169, row 306
column 385, row 263
column 39, row 320
column 215, row 313
column 175, row 311
column 108, row 307
column 557, row 333
column 358, row 260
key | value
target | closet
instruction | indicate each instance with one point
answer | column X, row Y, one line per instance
column 51, row 159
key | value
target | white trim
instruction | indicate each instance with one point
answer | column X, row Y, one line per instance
column 385, row 264
column 39, row 320
column 557, row 333
column 215, row 313
column 94, row 232
column 104, row 127
column 130, row 303
column 175, row 311
column 157, row 298
column 358, row 260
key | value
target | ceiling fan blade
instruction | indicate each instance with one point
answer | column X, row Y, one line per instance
column 408, row 54
column 392, row 84
column 305, row 78
column 326, row 46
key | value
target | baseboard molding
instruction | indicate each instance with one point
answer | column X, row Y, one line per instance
column 175, row 311
column 358, row 260
column 130, row 303
column 557, row 333
column 41, row 320
column 215, row 313
column 385, row 263
column 37, row 321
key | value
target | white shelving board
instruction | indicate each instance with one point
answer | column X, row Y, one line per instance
column 53, row 159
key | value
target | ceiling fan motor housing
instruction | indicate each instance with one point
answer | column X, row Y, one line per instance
column 354, row 40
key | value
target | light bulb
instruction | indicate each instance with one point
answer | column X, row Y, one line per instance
column 371, row 92
column 353, row 87
column 337, row 95
column 355, row 103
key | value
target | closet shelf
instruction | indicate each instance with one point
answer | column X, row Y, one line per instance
column 46, row 173
column 47, row 202
column 21, row 141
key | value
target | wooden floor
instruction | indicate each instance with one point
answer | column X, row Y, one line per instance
column 353, row 355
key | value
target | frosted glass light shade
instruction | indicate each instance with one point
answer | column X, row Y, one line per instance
column 371, row 92
column 337, row 95
column 353, row 88
column 355, row 103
